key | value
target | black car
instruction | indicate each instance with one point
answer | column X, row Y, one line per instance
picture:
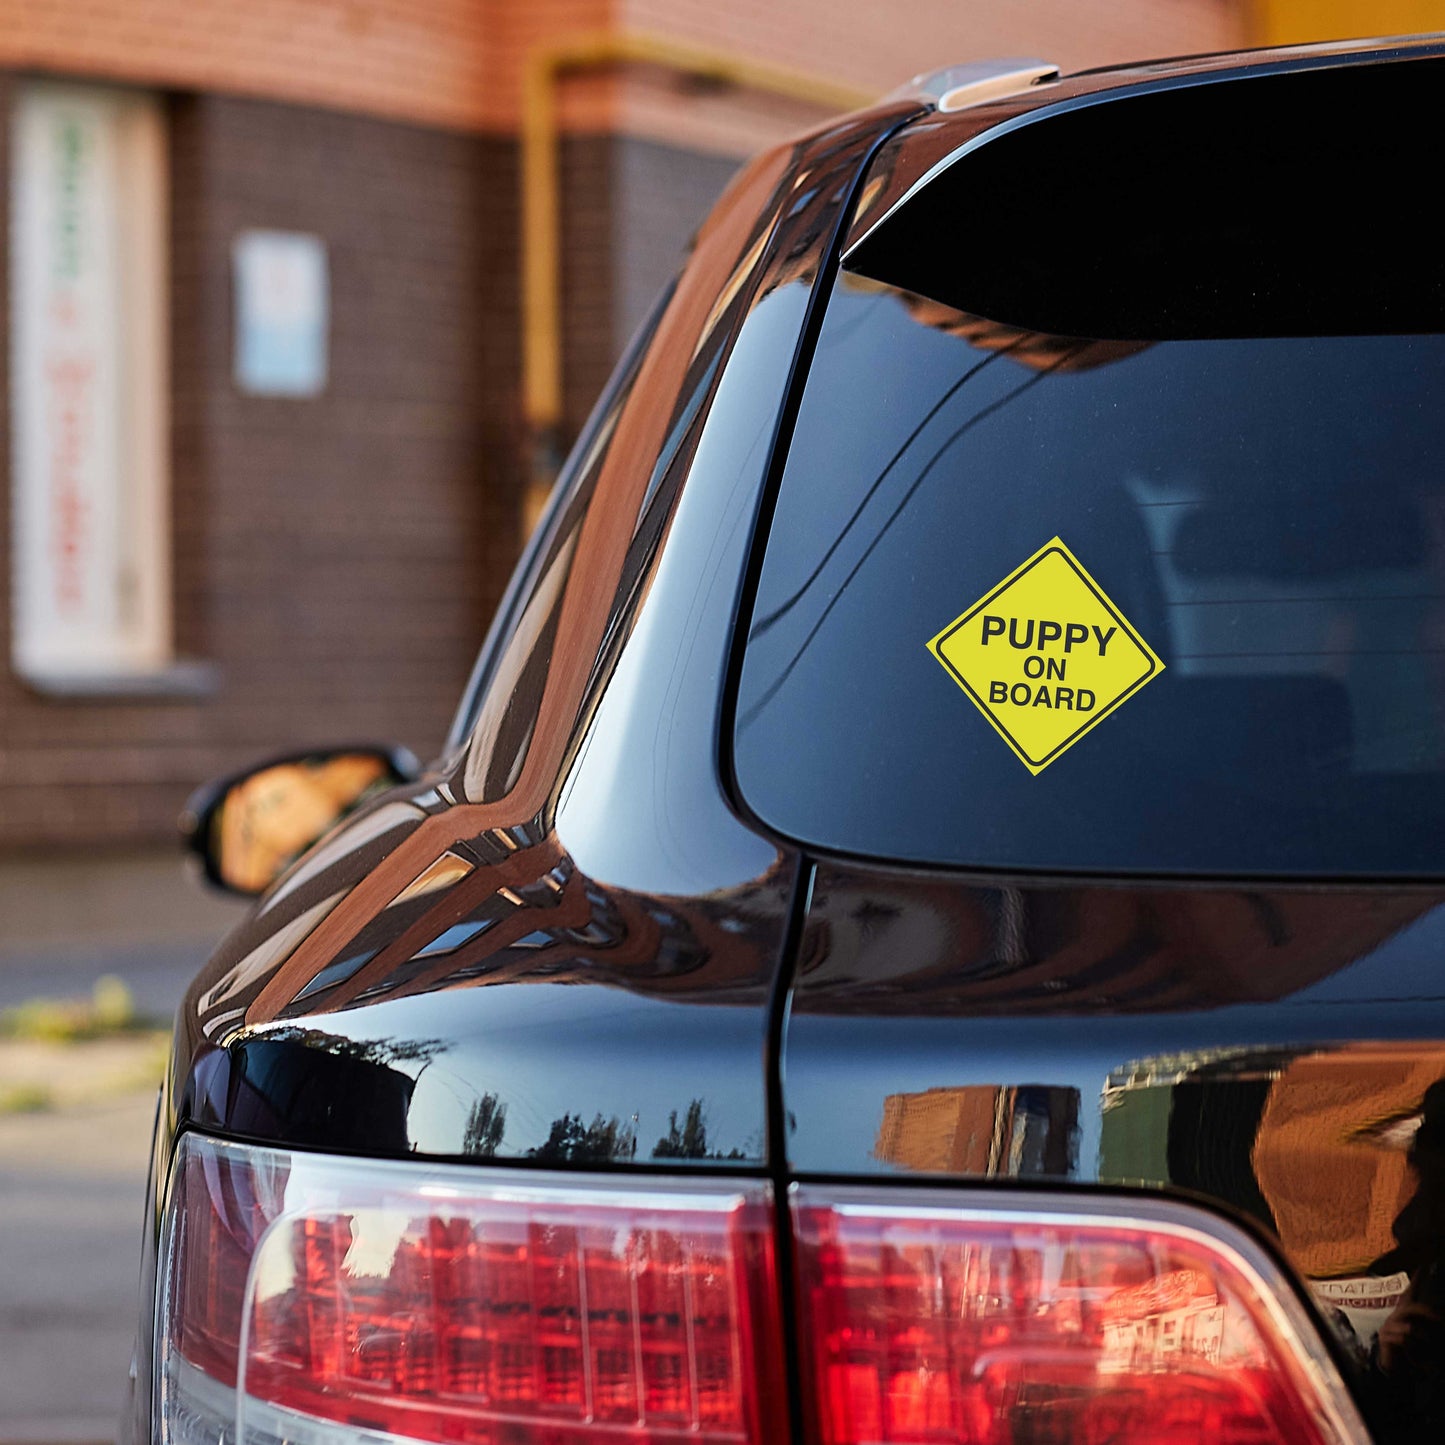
column 929, row 927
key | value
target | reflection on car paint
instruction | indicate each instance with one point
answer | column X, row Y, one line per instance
column 1197, row 1038
column 659, row 951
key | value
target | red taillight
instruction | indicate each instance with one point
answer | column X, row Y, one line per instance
column 323, row 1301
column 464, row 1306
column 932, row 1322
column 222, row 1202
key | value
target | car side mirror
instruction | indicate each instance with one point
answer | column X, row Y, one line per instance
column 247, row 828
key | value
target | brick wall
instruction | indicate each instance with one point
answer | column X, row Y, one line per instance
column 449, row 63
column 458, row 63
column 661, row 195
column 586, row 190
column 337, row 559
column 877, row 47
column 629, row 208
column 418, row 59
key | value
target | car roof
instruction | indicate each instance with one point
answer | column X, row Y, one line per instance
column 1364, row 46
column 932, row 84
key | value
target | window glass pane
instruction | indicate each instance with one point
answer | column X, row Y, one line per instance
column 1267, row 516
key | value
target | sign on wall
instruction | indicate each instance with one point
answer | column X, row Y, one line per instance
column 281, row 313
column 90, row 455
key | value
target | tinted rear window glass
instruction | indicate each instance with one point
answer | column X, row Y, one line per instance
column 1266, row 515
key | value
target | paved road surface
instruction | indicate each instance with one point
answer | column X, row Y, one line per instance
column 72, row 1181
column 157, row 974
column 72, row 1195
column 65, row 921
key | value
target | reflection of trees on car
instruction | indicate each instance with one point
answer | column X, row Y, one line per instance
column 570, row 1141
column 689, row 1141
column 486, row 1123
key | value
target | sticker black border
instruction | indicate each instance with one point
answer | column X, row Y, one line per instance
column 936, row 647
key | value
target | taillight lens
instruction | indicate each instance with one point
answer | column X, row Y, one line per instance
column 930, row 1320
column 306, row 1296
column 327, row 1301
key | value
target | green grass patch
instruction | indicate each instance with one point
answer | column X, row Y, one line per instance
column 25, row 1099
column 110, row 1010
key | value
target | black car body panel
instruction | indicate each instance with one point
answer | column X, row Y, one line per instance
column 560, row 946
column 1114, row 1035
column 405, row 953
column 570, row 944
column 1278, row 1052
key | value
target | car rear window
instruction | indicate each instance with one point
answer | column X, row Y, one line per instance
column 966, row 505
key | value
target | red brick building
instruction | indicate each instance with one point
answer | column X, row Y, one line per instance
column 318, row 496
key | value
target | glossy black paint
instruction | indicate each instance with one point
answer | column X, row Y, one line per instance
column 634, row 917
column 565, row 943
column 1278, row 1052
column 560, row 945
column 1090, row 993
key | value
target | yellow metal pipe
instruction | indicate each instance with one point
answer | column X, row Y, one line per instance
column 541, row 259
column 541, row 205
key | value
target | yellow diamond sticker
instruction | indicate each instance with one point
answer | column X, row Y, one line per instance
column 1045, row 656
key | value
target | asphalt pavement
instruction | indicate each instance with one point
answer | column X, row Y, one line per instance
column 65, row 920
column 72, row 1176
column 72, row 1194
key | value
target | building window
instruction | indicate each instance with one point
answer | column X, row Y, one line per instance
column 281, row 313
column 90, row 544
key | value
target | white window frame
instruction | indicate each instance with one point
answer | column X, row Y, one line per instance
column 89, row 383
